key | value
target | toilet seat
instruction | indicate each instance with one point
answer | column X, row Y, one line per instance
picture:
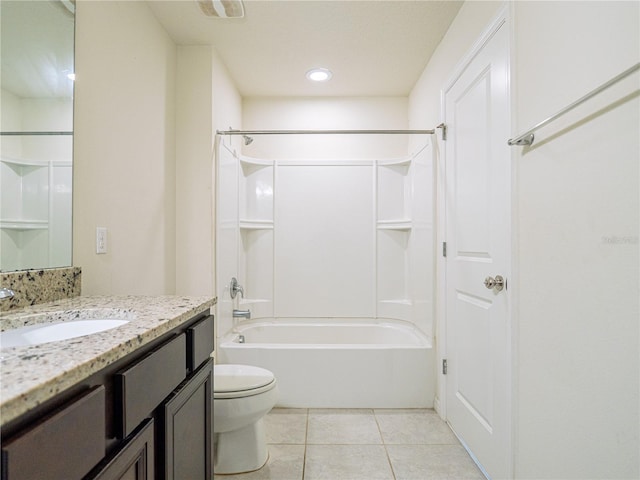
column 236, row 381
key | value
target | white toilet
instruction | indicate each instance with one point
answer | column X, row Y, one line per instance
column 242, row 396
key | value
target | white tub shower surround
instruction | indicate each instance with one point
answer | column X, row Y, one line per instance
column 322, row 363
column 340, row 239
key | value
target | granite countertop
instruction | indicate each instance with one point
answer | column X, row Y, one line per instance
column 29, row 375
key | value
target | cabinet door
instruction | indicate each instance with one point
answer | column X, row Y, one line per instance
column 187, row 428
column 134, row 461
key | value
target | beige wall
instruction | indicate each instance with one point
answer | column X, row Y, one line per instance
column 194, row 143
column 145, row 116
column 207, row 100
column 124, row 151
column 227, row 102
column 576, row 263
column 326, row 113
column 227, row 113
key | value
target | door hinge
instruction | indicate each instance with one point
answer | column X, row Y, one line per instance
column 444, row 249
column 443, row 126
column 444, row 366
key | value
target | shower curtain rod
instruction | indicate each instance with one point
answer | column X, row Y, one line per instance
column 314, row 132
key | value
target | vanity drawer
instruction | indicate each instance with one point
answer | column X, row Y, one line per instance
column 145, row 384
column 66, row 445
column 200, row 341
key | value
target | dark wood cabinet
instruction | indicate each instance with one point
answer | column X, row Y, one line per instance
column 141, row 387
column 134, row 461
column 65, row 445
column 200, row 342
column 186, row 419
column 145, row 417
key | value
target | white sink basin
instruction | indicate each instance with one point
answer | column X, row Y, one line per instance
column 53, row 332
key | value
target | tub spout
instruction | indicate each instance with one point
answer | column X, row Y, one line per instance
column 242, row 314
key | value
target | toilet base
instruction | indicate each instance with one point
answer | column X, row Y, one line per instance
column 240, row 451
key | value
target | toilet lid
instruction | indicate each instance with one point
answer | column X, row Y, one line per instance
column 238, row 378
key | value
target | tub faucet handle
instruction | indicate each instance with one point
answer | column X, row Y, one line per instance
column 235, row 288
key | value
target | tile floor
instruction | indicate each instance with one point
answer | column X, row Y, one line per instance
column 355, row 444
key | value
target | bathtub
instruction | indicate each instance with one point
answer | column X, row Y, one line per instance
column 333, row 363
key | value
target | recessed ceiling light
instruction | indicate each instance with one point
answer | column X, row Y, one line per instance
column 319, row 74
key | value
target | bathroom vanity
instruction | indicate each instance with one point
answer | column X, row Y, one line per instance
column 130, row 402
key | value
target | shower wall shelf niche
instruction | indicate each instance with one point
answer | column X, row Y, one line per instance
column 255, row 224
column 255, row 260
column 394, row 193
column 395, row 225
column 403, row 222
column 396, row 162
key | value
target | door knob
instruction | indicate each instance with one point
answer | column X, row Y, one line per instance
column 497, row 283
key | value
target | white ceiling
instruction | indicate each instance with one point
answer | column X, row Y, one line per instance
column 373, row 48
column 37, row 48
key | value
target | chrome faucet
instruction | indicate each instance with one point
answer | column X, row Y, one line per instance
column 235, row 288
column 242, row 314
column 6, row 293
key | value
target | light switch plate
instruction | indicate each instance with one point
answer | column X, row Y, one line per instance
column 101, row 240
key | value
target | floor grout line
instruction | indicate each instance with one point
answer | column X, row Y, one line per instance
column 384, row 444
column 306, row 433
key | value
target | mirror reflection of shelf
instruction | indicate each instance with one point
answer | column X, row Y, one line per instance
column 35, row 220
column 25, row 194
column 19, row 163
column 24, row 224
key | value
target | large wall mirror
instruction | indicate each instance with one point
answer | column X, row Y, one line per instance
column 36, row 122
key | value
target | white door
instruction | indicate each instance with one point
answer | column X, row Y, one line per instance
column 478, row 233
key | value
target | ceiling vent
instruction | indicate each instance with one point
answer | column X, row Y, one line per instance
column 222, row 8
